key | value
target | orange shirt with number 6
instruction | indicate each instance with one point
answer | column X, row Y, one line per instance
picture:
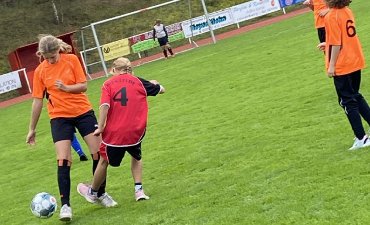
column 340, row 30
column 60, row 103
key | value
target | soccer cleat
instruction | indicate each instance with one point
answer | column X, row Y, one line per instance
column 65, row 213
column 360, row 143
column 106, row 200
column 173, row 55
column 84, row 191
column 139, row 195
column 83, row 158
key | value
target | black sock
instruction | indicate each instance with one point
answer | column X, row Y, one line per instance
column 165, row 53
column 170, row 50
column 64, row 180
column 96, row 158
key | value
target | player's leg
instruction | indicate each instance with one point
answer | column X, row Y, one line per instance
column 163, row 46
column 62, row 132
column 363, row 107
column 321, row 34
column 137, row 171
column 347, row 99
column 170, row 49
column 86, row 125
column 109, row 155
column 91, row 192
column 78, row 149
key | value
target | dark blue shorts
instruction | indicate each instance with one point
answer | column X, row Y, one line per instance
column 63, row 128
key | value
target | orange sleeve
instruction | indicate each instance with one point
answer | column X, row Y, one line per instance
column 335, row 32
column 38, row 85
column 78, row 71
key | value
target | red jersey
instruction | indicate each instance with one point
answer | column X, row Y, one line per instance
column 126, row 96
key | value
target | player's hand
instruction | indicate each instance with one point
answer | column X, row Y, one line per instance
column 331, row 71
column 98, row 131
column 60, row 85
column 31, row 138
column 154, row 82
column 322, row 13
column 321, row 46
column 307, row 2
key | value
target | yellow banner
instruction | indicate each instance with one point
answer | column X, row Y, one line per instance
column 116, row 49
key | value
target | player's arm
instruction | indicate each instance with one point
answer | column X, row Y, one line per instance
column 165, row 31
column 333, row 59
column 35, row 115
column 103, row 113
column 309, row 3
column 155, row 82
column 153, row 34
column 323, row 12
column 80, row 85
column 73, row 88
column 152, row 87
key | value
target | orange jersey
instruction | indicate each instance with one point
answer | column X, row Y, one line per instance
column 318, row 5
column 341, row 30
column 60, row 103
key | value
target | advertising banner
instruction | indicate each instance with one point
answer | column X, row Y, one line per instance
column 148, row 44
column 199, row 25
column 253, row 9
column 285, row 3
column 9, row 81
column 116, row 49
column 171, row 30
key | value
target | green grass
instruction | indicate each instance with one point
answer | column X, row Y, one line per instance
column 248, row 132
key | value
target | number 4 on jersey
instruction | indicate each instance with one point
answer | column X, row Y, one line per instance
column 123, row 96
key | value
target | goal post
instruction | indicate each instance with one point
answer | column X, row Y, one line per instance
column 99, row 44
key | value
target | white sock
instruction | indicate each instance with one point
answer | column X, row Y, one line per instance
column 138, row 187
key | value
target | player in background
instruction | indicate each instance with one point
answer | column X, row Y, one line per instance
column 320, row 10
column 122, row 123
column 344, row 61
column 162, row 36
column 62, row 77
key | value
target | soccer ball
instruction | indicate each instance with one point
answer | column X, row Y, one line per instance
column 43, row 205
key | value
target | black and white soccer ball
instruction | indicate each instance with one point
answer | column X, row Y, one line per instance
column 43, row 205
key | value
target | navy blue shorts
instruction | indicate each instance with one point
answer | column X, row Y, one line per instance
column 163, row 41
column 63, row 128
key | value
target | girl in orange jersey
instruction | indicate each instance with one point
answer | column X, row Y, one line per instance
column 320, row 10
column 344, row 61
column 64, row 81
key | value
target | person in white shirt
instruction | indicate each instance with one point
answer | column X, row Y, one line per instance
column 162, row 36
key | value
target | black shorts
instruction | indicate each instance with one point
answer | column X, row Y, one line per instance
column 63, row 128
column 114, row 155
column 163, row 41
column 322, row 34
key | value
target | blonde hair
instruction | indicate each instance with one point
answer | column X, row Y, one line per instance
column 51, row 44
column 121, row 66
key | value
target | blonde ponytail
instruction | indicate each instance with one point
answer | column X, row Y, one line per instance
column 51, row 44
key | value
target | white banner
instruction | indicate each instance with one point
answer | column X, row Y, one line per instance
column 252, row 9
column 199, row 25
column 9, row 82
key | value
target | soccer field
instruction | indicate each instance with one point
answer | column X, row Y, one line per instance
column 249, row 131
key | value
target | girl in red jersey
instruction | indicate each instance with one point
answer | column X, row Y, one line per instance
column 122, row 123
